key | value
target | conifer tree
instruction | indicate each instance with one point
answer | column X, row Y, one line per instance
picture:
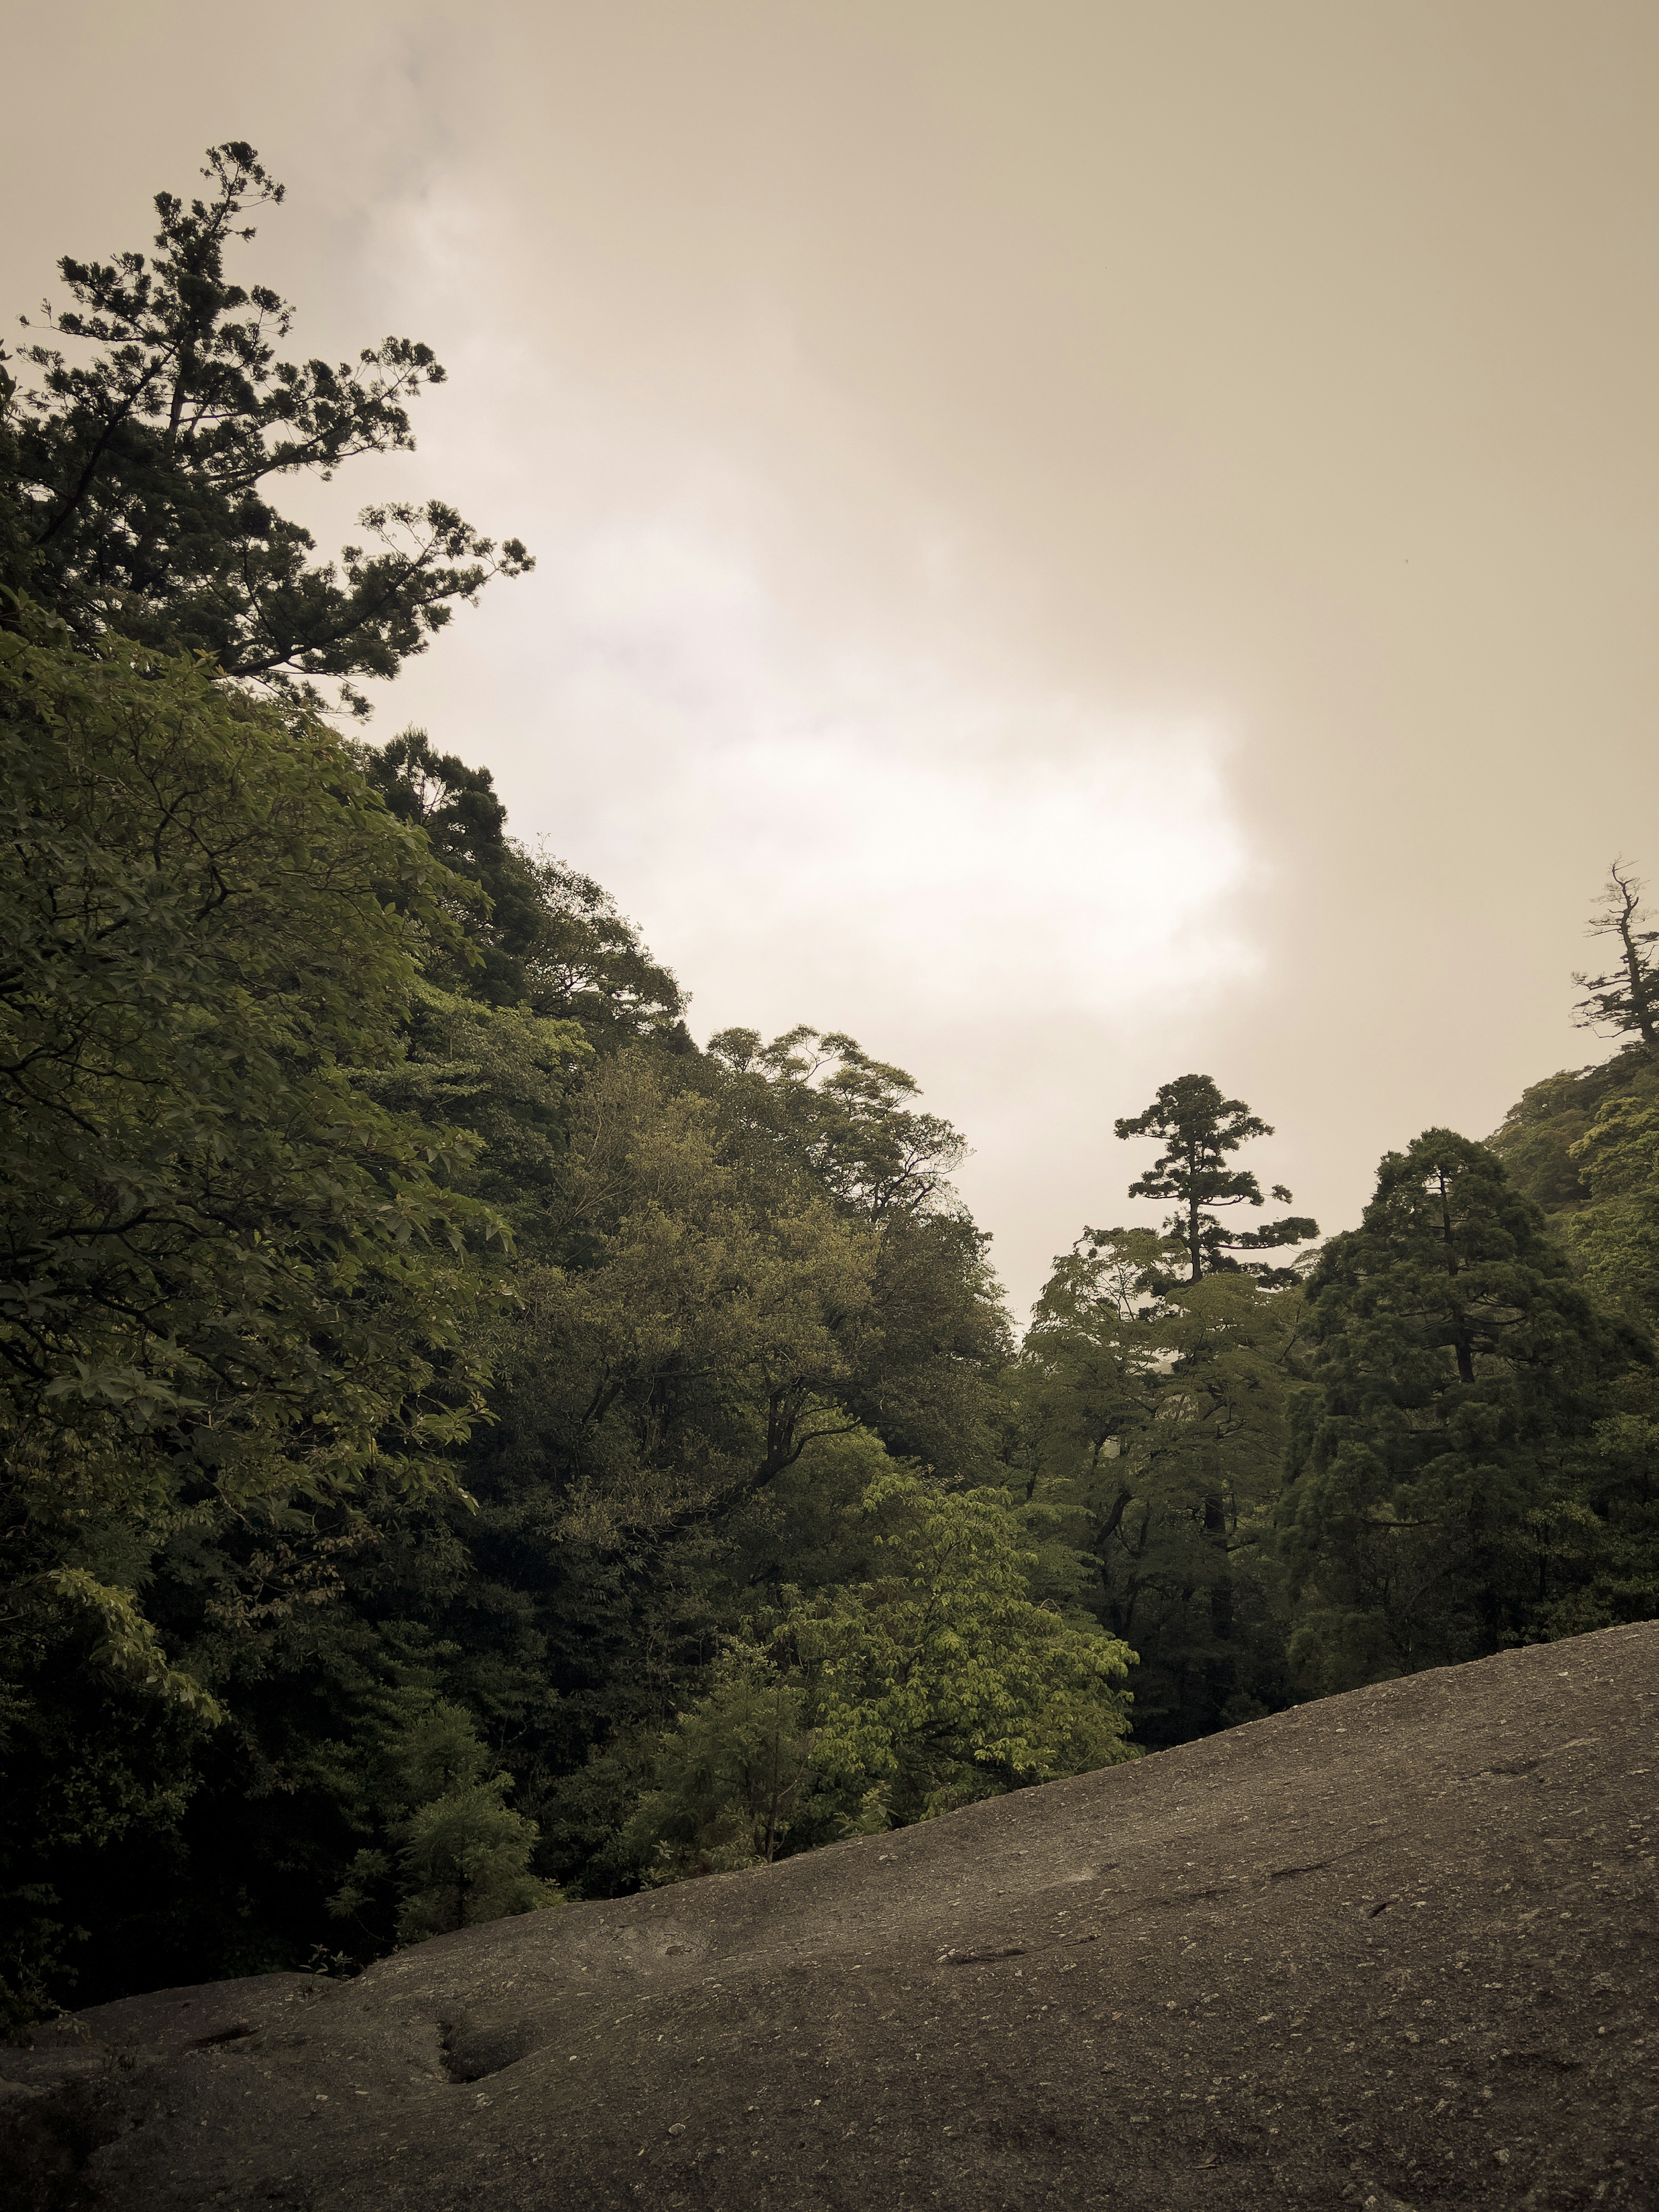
column 1626, row 998
column 137, row 473
column 1458, row 1375
column 1198, row 1130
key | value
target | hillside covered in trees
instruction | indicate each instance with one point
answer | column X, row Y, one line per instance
column 467, row 1444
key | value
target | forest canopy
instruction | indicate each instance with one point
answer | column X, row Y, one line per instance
column 467, row 1444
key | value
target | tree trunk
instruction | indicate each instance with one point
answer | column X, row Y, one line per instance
column 1460, row 1334
column 1641, row 988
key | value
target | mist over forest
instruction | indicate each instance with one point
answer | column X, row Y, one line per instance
column 470, row 1445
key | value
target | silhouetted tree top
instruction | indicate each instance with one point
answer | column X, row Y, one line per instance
column 1626, row 998
column 1198, row 1130
column 136, row 477
column 545, row 936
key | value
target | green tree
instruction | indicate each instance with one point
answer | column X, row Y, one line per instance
column 1154, row 1416
column 1459, row 1373
column 927, row 1676
column 940, row 1678
column 544, row 936
column 1198, row 1129
column 731, row 1780
column 1536, row 1137
column 136, row 493
column 222, row 1259
column 462, row 1854
column 1614, row 1233
column 234, row 1286
column 934, row 1335
column 849, row 1117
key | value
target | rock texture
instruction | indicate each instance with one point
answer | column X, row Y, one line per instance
column 1398, row 1948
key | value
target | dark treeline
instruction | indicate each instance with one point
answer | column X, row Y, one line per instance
column 465, row 1445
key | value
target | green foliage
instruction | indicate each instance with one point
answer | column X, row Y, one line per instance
column 462, row 1854
column 1537, row 1139
column 935, row 1333
column 1615, row 1234
column 551, row 939
column 1459, row 1371
column 929, row 1677
column 848, row 1115
column 232, row 1279
column 134, row 481
column 1584, row 1145
column 680, row 1326
column 689, row 1348
column 733, row 1777
column 1155, row 1414
column 235, row 1283
column 1601, row 1545
column 1198, row 1129
column 938, row 1680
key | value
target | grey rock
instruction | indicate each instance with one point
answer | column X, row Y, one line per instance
column 1399, row 1949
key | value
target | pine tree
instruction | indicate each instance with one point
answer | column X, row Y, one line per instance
column 1198, row 1129
column 1459, row 1373
column 136, row 477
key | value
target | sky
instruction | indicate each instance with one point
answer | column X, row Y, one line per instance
column 1078, row 542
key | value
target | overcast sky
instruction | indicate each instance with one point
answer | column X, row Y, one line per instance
column 1077, row 541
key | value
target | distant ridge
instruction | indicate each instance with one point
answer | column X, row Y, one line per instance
column 1396, row 1948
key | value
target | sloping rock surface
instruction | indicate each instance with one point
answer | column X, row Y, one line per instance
column 1398, row 1948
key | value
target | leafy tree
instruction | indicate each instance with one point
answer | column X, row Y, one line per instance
column 935, row 1332
column 695, row 1321
column 709, row 1309
column 545, row 936
column 1626, row 998
column 463, row 1855
column 732, row 1779
column 223, row 1260
column 1459, row 1372
column 135, row 482
column 938, row 1680
column 1198, row 1129
column 928, row 1677
column 1536, row 1137
column 849, row 1116
column 689, row 1348
column 1598, row 1547
column 1614, row 1234
column 234, row 1286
